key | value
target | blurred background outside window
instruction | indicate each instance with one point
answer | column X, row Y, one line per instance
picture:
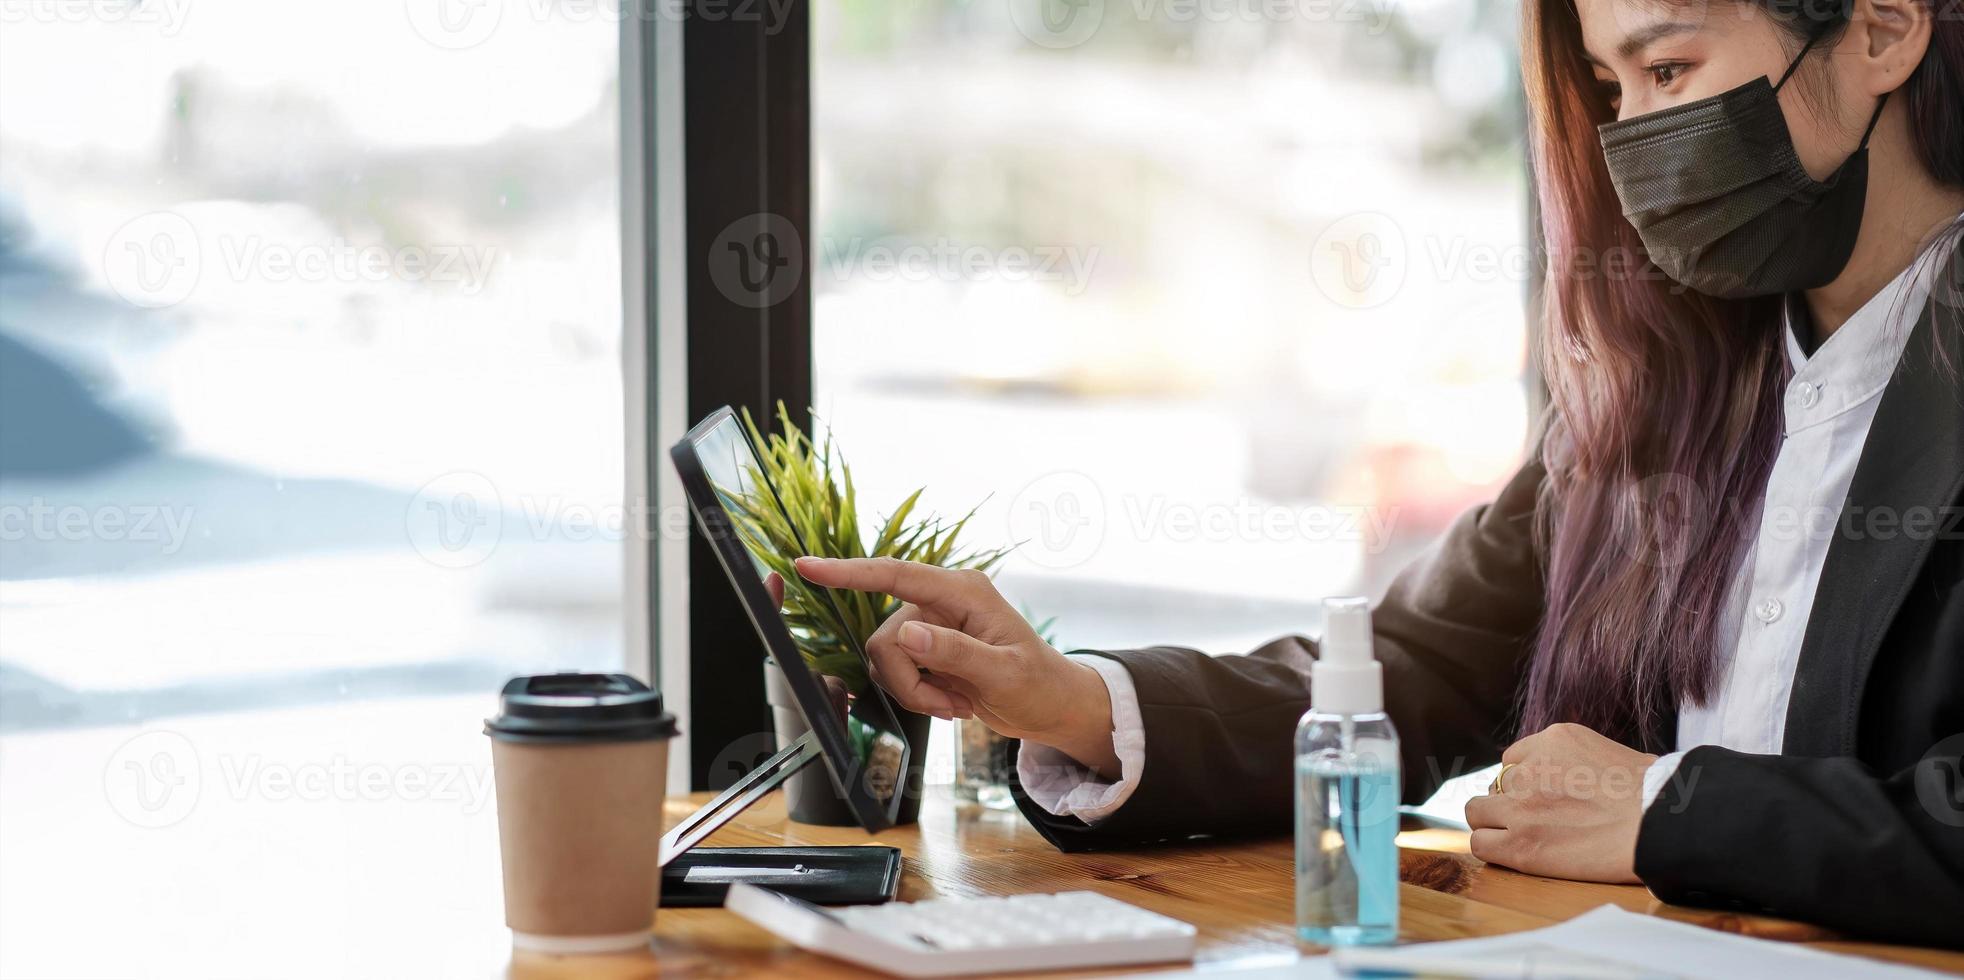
column 1215, row 305
column 310, row 435
column 311, row 412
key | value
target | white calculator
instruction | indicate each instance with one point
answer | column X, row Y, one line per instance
column 947, row 937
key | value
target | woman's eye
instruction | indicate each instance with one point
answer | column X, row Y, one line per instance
column 1664, row 73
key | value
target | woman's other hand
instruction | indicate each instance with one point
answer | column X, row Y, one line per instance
column 985, row 660
column 1568, row 807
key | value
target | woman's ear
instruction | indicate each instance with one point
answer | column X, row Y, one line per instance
column 1887, row 40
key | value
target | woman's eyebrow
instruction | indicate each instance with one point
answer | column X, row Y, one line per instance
column 1644, row 37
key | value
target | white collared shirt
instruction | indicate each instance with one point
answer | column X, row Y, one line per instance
column 1830, row 402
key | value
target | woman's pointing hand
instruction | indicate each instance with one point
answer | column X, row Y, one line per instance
column 984, row 659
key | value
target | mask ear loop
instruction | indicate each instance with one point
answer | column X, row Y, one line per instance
column 1866, row 133
column 1802, row 56
column 1795, row 66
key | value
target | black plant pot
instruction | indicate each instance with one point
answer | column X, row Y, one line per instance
column 810, row 795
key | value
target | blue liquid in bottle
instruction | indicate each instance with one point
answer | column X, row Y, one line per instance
column 1347, row 789
column 1347, row 837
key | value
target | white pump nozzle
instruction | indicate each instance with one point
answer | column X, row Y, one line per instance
column 1346, row 679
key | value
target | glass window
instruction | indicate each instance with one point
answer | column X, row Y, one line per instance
column 310, row 435
column 1217, row 305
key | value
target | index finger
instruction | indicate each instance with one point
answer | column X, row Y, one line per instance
column 907, row 581
column 894, row 671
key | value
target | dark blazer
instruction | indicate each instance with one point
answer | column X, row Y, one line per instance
column 1858, row 824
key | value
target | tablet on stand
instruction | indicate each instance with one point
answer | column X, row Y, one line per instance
column 855, row 733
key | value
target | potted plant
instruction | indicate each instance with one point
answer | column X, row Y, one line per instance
column 820, row 516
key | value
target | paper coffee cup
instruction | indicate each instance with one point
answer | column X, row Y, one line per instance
column 581, row 765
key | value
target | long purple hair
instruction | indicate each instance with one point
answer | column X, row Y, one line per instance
column 1666, row 408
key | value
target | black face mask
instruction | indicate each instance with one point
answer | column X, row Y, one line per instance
column 1721, row 201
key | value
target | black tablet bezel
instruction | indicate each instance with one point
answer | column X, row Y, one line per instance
column 713, row 520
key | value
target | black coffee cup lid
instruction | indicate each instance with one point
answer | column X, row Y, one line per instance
column 575, row 707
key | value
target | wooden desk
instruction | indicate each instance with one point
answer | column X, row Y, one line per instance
column 1240, row 895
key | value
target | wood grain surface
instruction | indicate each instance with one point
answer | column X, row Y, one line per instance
column 1239, row 894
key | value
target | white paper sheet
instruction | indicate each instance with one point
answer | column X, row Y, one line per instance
column 1649, row 946
column 1447, row 806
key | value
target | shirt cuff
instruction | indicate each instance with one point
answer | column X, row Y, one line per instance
column 1063, row 786
column 1658, row 775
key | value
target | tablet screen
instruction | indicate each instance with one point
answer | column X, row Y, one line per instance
column 830, row 677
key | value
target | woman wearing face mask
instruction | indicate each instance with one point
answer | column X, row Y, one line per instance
column 1716, row 623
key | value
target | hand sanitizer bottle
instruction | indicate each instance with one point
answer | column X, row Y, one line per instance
column 1347, row 790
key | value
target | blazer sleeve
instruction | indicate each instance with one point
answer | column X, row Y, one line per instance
column 1453, row 634
column 1822, row 840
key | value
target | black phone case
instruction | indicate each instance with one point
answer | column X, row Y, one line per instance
column 858, row 875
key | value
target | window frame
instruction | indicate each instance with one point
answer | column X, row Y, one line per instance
column 716, row 138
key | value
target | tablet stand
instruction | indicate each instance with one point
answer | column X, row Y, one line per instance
column 700, row 876
column 766, row 777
